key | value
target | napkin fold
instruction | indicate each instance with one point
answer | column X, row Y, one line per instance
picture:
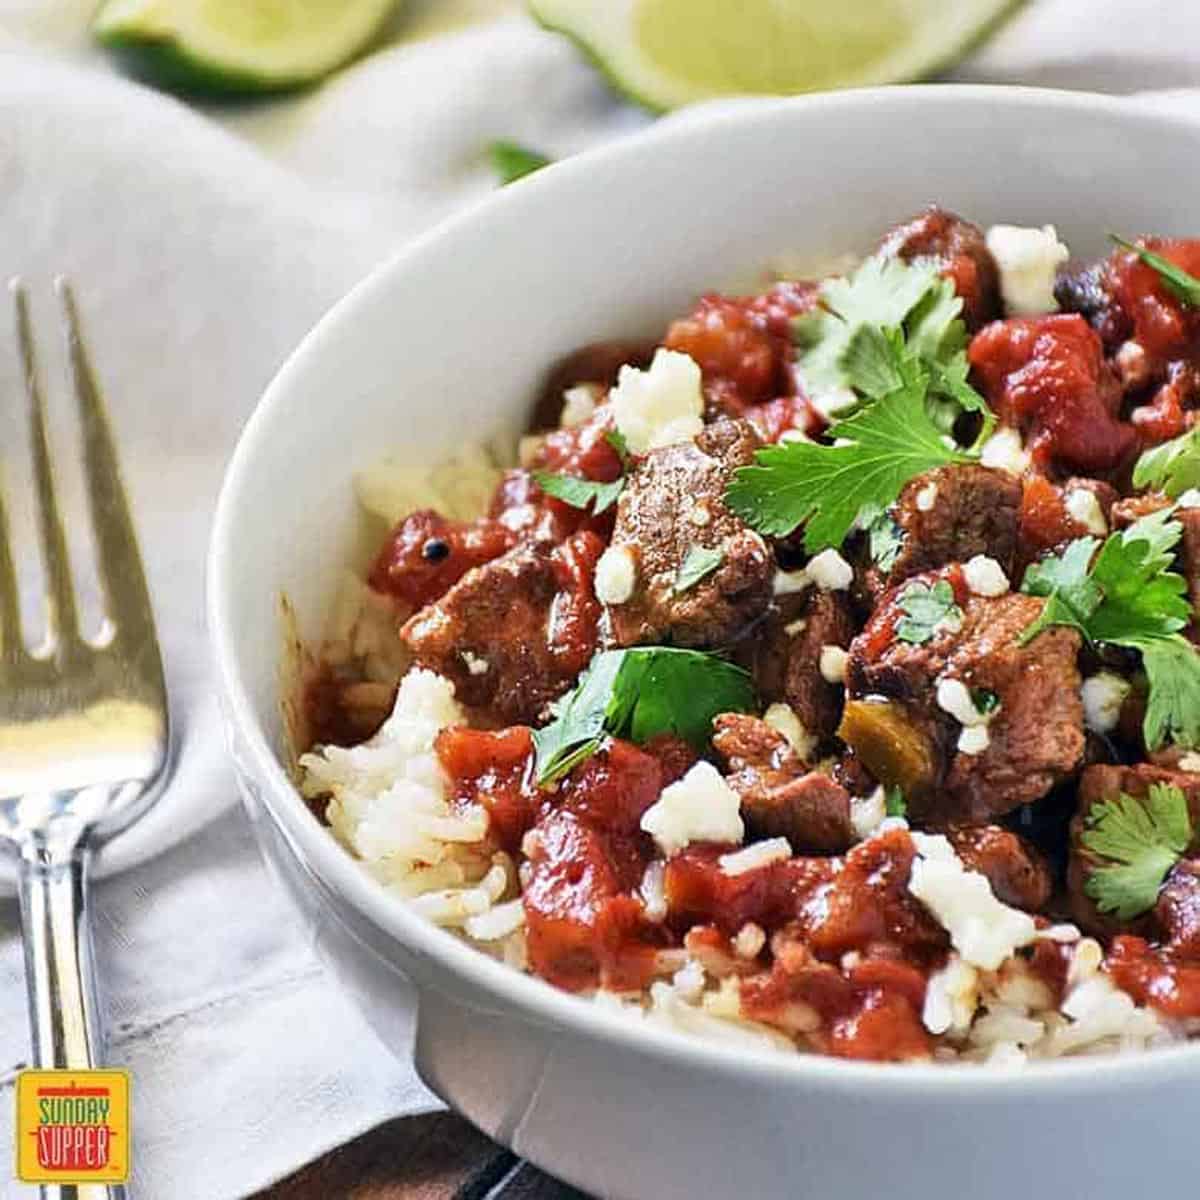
column 203, row 243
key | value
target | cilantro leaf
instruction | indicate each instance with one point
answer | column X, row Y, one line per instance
column 1173, row 467
column 1173, row 705
column 1175, row 279
column 579, row 493
column 926, row 608
column 1072, row 596
column 1143, row 838
column 638, row 694
column 616, row 439
column 512, row 161
column 698, row 563
column 894, row 803
column 1127, row 595
column 881, row 292
column 884, row 538
column 881, row 448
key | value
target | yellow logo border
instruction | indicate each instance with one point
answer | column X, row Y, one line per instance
column 28, row 1122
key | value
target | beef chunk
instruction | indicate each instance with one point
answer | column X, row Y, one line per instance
column 959, row 251
column 513, row 634
column 954, row 513
column 780, row 796
column 1177, row 912
column 1018, row 872
column 1101, row 783
column 675, row 501
column 896, row 726
column 784, row 655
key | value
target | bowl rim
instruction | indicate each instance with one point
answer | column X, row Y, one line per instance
column 528, row 996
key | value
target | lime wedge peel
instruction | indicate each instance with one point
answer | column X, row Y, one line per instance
column 664, row 54
column 222, row 47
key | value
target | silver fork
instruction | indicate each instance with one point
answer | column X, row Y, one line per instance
column 83, row 724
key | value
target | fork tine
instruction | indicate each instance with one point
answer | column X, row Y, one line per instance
column 11, row 644
column 119, row 561
column 62, row 623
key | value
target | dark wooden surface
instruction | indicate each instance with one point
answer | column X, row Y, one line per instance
column 435, row 1157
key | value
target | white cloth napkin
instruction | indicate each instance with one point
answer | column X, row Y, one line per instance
column 203, row 244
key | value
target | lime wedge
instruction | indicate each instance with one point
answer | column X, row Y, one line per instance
column 667, row 53
column 238, row 46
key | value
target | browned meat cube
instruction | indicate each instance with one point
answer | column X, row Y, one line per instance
column 675, row 503
column 781, row 797
column 904, row 699
column 1017, row 871
column 1098, row 784
column 1178, row 909
column 959, row 251
column 514, row 633
column 954, row 513
column 784, row 655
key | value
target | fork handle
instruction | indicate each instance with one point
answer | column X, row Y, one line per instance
column 59, row 974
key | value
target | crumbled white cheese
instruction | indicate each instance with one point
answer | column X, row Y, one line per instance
column 688, row 981
column 790, row 583
column 653, row 890
column 783, row 719
column 1102, row 695
column 983, row 930
column 794, row 435
column 830, row 402
column 985, row 576
column 700, row 515
column 830, row 571
column 661, row 405
column 1028, row 261
column 927, row 497
column 794, row 627
column 474, row 664
column 951, row 998
column 974, row 739
column 616, row 575
column 1190, row 762
column 749, row 940
column 954, row 697
column 867, row 813
column 700, row 807
column 1085, row 508
column 752, row 858
column 579, row 406
column 833, row 664
column 1004, row 451
column 1189, row 499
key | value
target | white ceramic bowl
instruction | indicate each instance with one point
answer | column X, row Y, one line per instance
column 449, row 341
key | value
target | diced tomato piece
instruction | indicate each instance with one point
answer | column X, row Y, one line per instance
column 1047, row 376
column 426, row 554
column 494, row 769
column 1152, row 977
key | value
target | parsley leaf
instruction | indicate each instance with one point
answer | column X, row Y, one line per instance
column 1173, row 467
column 926, row 609
column 512, row 161
column 1127, row 595
column 579, row 493
column 698, row 563
column 638, row 694
column 1145, row 837
column 1175, row 279
column 894, row 804
column 881, row 448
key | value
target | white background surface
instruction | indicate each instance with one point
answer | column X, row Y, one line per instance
column 203, row 245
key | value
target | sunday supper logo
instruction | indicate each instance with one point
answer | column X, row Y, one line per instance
column 72, row 1126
